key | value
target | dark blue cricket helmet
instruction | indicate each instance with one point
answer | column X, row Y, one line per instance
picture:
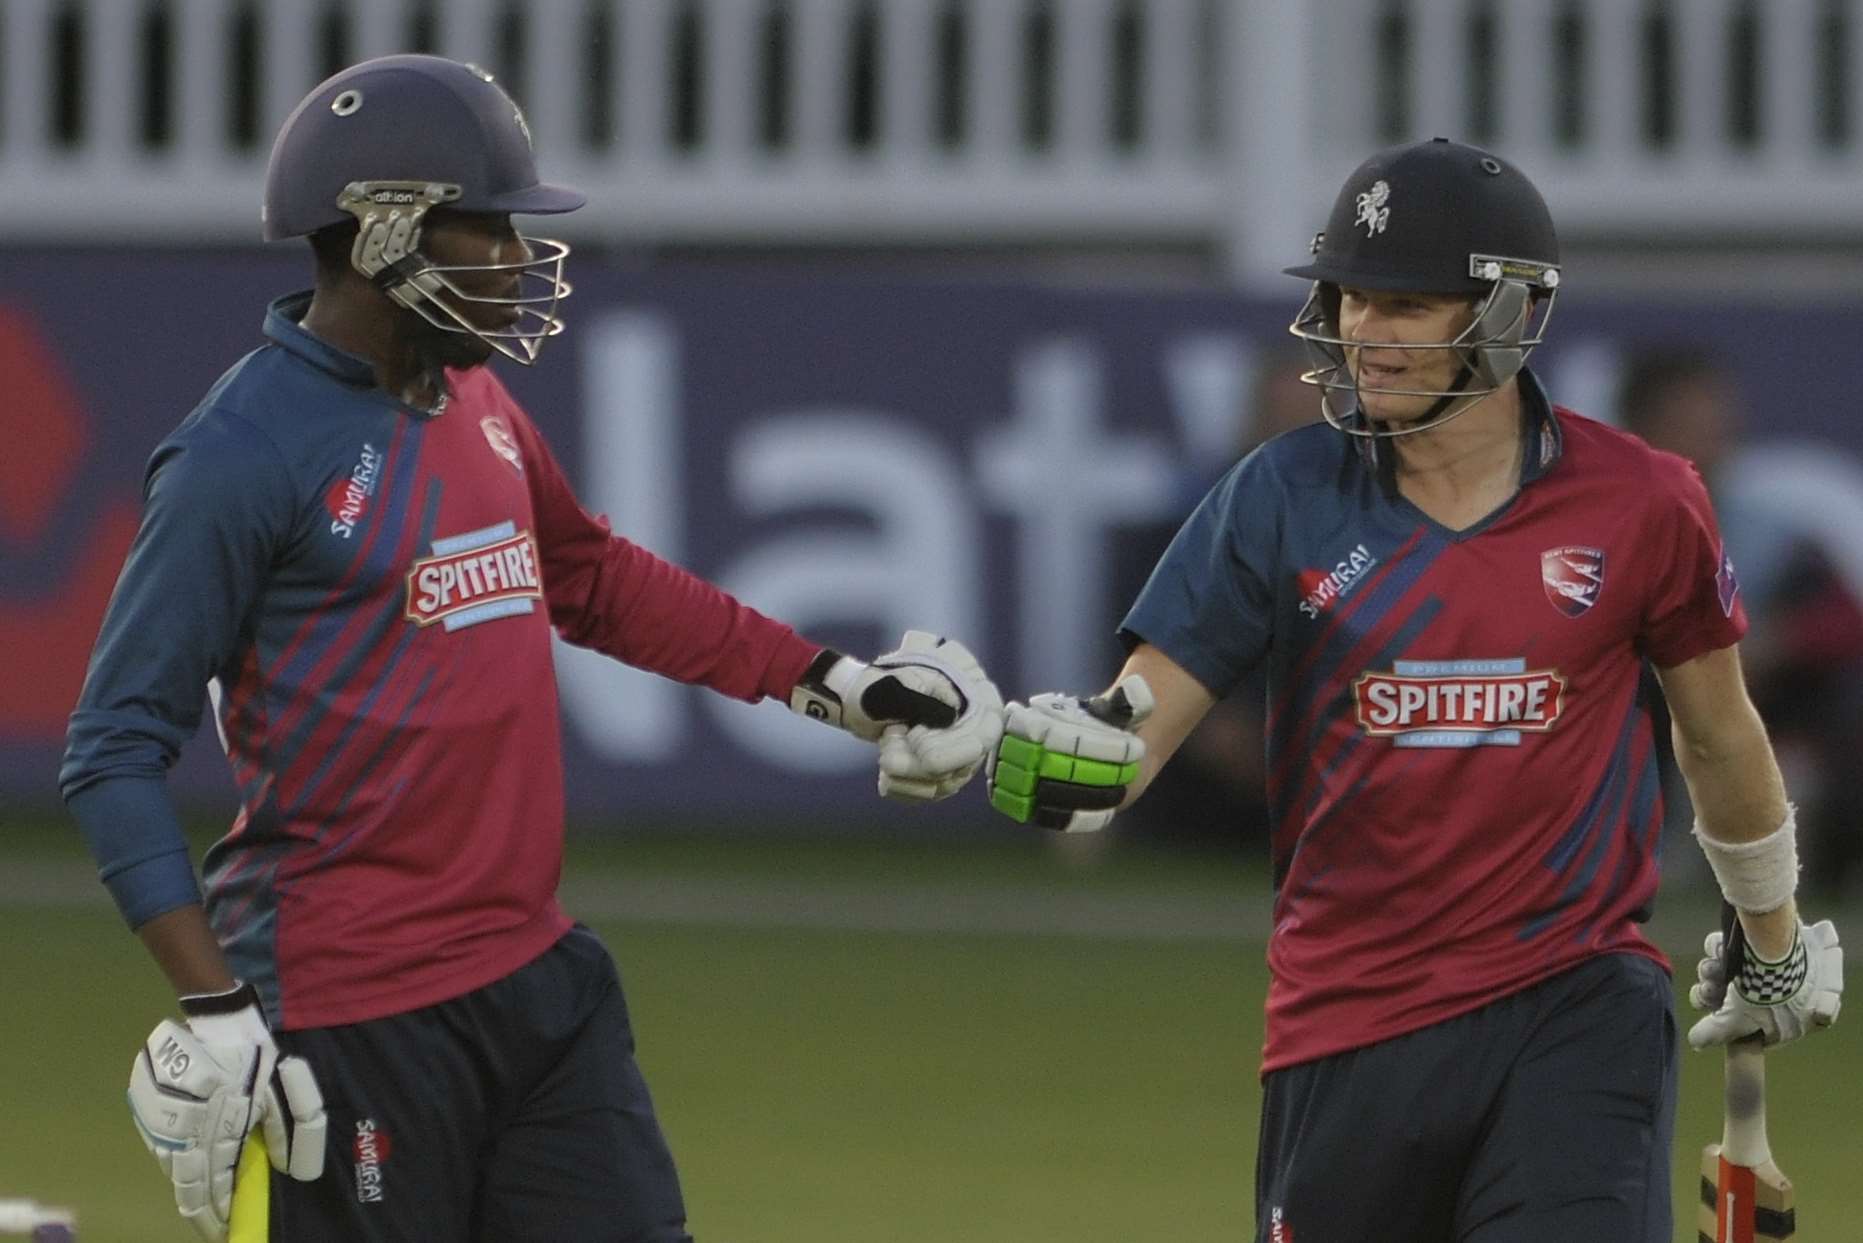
column 381, row 144
column 404, row 118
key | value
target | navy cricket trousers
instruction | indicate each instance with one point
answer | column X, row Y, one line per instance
column 1544, row 1117
column 513, row 1114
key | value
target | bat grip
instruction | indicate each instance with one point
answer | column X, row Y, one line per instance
column 1743, row 1135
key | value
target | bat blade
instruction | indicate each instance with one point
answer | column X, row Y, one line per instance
column 1744, row 1204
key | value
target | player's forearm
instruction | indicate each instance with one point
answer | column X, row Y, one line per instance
column 1180, row 702
column 654, row 615
column 1733, row 779
column 1739, row 798
column 183, row 944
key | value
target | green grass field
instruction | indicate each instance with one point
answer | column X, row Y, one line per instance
column 858, row 1082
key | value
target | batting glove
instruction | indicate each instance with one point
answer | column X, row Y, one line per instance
column 1064, row 763
column 197, row 1091
column 922, row 763
column 1779, row 1000
column 928, row 703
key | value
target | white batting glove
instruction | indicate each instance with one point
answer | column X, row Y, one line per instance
column 924, row 763
column 910, row 686
column 196, row 1093
column 928, row 703
column 1779, row 1000
column 1064, row 763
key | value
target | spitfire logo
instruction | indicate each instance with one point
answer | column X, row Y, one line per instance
column 349, row 499
column 1372, row 211
column 1573, row 576
column 1321, row 589
column 1458, row 703
column 371, row 1149
column 503, row 443
column 474, row 578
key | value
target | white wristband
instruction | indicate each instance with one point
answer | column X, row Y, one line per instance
column 1756, row 876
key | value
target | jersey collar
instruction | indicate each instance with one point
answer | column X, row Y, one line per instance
column 283, row 328
column 1545, row 442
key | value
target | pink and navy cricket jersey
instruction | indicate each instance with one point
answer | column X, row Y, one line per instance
column 370, row 590
column 1463, row 791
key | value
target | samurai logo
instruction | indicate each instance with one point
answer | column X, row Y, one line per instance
column 371, row 1151
column 1573, row 576
column 349, row 499
column 1372, row 211
column 1321, row 589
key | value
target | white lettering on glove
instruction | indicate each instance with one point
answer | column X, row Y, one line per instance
column 196, row 1093
column 1813, row 1000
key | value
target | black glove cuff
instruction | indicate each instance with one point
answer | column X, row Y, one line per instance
column 815, row 677
column 235, row 999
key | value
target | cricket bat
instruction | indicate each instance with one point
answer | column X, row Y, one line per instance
column 1745, row 1197
column 251, row 1219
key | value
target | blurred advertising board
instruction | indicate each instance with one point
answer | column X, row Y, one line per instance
column 854, row 453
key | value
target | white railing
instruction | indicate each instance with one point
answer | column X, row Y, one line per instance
column 1217, row 123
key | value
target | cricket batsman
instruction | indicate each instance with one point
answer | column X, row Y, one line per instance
column 358, row 547
column 1455, row 586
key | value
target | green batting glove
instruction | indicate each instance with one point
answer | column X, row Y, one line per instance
column 1064, row 763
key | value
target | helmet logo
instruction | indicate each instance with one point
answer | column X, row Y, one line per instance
column 1372, row 210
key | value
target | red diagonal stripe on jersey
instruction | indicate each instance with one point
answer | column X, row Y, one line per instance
column 1349, row 608
column 242, row 718
column 1304, row 767
column 399, row 682
column 390, row 463
column 326, row 729
column 300, row 861
column 1337, row 618
column 382, row 737
column 258, row 739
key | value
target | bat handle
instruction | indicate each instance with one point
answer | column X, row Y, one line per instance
column 1743, row 1135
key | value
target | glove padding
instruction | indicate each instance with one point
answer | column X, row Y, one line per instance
column 928, row 703
column 1064, row 763
column 197, row 1091
column 925, row 763
column 913, row 685
column 1780, row 1001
